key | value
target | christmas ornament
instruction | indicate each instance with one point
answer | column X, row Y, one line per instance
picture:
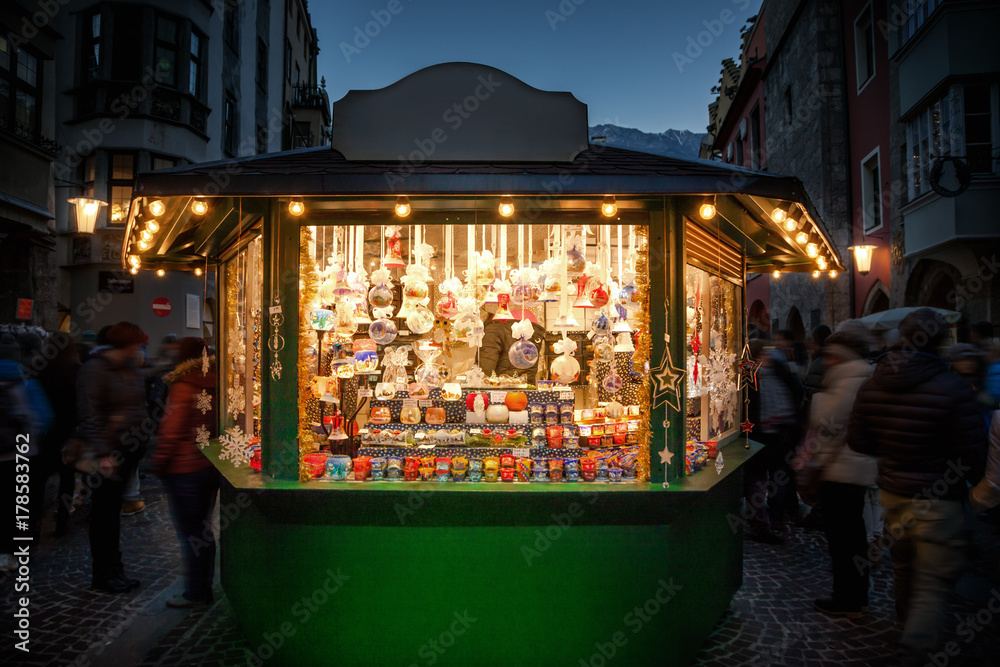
column 523, row 353
column 383, row 330
column 565, row 369
column 393, row 251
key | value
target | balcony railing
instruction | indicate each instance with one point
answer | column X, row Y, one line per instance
column 311, row 97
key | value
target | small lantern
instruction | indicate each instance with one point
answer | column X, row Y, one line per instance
column 863, row 257
column 87, row 209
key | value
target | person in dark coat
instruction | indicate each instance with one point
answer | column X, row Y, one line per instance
column 58, row 379
column 814, row 375
column 192, row 481
column 921, row 422
column 111, row 404
column 497, row 339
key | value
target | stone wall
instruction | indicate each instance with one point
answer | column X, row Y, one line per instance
column 805, row 58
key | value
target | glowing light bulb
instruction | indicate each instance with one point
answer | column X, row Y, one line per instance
column 296, row 207
column 821, row 263
column 815, row 274
column 707, row 211
column 133, row 271
column 153, row 226
column 776, row 274
column 161, row 272
column 157, row 207
column 801, row 238
column 791, row 224
column 779, row 214
column 506, row 207
column 198, row 271
column 812, row 249
column 134, row 261
column 609, row 207
column 199, row 207
column 403, row 207
column 833, row 273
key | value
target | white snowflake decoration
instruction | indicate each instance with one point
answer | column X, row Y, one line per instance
column 235, row 446
column 204, row 401
column 720, row 377
column 204, row 361
column 237, row 400
column 201, row 437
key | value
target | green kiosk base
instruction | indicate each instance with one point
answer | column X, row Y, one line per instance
column 422, row 573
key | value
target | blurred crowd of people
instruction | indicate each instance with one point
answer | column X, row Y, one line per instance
column 883, row 443
column 91, row 409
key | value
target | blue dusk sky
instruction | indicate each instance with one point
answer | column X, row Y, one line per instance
column 648, row 65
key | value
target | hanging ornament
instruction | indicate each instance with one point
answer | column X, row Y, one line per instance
column 420, row 320
column 549, row 274
column 601, row 325
column 394, row 250
column 597, row 293
column 667, row 378
column 523, row 353
column 604, row 348
column 576, row 261
column 621, row 323
column 394, row 364
column 447, row 305
column 383, row 330
column 483, row 270
column 624, row 343
column 565, row 369
column 525, row 287
column 748, row 368
column 503, row 313
column 612, row 382
column 346, row 324
column 430, row 372
column 582, row 299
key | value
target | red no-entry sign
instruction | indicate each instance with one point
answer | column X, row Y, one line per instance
column 161, row 306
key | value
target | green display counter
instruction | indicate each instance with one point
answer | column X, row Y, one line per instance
column 412, row 573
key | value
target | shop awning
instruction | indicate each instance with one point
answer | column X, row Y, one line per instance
column 429, row 169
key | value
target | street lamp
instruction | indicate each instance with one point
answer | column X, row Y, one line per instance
column 87, row 209
column 863, row 257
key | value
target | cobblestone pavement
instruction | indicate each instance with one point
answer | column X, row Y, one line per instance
column 770, row 622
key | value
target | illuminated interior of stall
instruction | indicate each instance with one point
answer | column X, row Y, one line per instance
column 492, row 336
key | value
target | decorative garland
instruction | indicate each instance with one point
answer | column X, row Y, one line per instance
column 640, row 359
column 182, row 369
column 308, row 289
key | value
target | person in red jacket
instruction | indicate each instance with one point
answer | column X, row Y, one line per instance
column 192, row 482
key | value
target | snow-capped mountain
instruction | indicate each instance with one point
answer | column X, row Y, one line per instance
column 676, row 142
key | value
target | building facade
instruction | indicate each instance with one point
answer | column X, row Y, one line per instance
column 153, row 85
column 27, row 151
column 888, row 112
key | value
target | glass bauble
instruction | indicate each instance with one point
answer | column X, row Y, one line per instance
column 601, row 325
column 612, row 382
column 420, row 320
column 383, row 331
column 415, row 290
column 564, row 369
column 604, row 349
column 575, row 260
column 380, row 296
column 523, row 354
column 446, row 307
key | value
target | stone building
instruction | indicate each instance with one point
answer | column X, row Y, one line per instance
column 27, row 150
column 868, row 103
column 157, row 85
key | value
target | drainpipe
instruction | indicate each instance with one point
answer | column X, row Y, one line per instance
column 850, row 165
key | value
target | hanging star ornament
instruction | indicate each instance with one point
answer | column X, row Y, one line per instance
column 667, row 377
column 666, row 456
column 747, row 426
column 748, row 368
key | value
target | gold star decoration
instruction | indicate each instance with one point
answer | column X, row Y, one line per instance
column 666, row 456
column 667, row 377
column 748, row 368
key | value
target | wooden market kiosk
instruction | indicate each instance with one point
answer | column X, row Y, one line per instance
column 479, row 572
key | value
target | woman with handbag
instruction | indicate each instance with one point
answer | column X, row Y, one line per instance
column 845, row 475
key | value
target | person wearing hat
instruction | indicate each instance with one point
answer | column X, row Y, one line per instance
column 111, row 406
column 845, row 474
column 921, row 421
